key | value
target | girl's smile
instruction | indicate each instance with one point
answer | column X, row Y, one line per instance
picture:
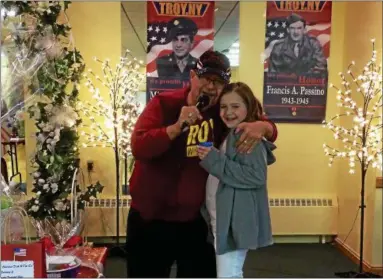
column 233, row 109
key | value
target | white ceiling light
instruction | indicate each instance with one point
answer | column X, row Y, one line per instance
column 234, row 51
column 233, row 54
column 234, row 63
column 235, row 45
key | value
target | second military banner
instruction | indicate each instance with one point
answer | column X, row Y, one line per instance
column 296, row 55
column 178, row 34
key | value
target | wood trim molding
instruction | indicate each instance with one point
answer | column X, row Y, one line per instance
column 379, row 182
column 355, row 258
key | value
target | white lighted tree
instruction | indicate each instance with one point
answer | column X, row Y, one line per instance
column 360, row 99
column 112, row 118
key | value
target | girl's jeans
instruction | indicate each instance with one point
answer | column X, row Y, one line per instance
column 230, row 264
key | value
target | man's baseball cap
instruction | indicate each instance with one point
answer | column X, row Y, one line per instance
column 216, row 63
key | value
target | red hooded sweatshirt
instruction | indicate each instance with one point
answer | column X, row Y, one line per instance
column 167, row 181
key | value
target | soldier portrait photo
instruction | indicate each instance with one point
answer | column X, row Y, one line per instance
column 177, row 65
column 298, row 52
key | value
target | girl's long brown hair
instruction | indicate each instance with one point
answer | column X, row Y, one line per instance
column 253, row 105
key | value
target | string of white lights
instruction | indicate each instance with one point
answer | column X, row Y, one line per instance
column 119, row 110
column 362, row 141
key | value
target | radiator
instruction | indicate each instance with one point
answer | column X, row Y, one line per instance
column 304, row 216
column 289, row 216
column 101, row 217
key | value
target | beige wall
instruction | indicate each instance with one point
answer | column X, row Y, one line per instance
column 301, row 168
column 97, row 32
column 235, row 74
column 363, row 21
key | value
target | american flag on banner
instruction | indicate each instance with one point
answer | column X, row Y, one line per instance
column 21, row 252
column 158, row 44
column 276, row 31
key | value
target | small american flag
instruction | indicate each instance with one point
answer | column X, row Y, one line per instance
column 21, row 252
column 276, row 31
column 159, row 45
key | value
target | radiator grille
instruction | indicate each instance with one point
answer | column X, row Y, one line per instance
column 107, row 203
column 292, row 216
column 300, row 202
column 273, row 202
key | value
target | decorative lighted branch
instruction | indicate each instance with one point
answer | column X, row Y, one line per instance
column 363, row 141
column 119, row 112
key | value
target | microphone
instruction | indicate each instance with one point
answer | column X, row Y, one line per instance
column 202, row 102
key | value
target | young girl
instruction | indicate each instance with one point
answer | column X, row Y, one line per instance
column 236, row 193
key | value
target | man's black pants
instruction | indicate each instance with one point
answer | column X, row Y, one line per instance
column 153, row 246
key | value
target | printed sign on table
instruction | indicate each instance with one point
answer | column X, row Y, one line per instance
column 23, row 260
column 178, row 34
column 17, row 269
column 296, row 60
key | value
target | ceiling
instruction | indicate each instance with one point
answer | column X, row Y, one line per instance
column 133, row 18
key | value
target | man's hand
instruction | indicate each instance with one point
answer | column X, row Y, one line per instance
column 188, row 115
column 252, row 133
column 202, row 151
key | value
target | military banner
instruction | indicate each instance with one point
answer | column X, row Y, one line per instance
column 296, row 60
column 178, row 34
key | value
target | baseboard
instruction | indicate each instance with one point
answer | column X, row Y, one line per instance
column 276, row 238
column 303, row 239
column 351, row 254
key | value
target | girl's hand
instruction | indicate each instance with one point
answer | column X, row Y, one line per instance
column 202, row 151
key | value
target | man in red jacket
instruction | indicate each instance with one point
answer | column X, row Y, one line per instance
column 168, row 185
